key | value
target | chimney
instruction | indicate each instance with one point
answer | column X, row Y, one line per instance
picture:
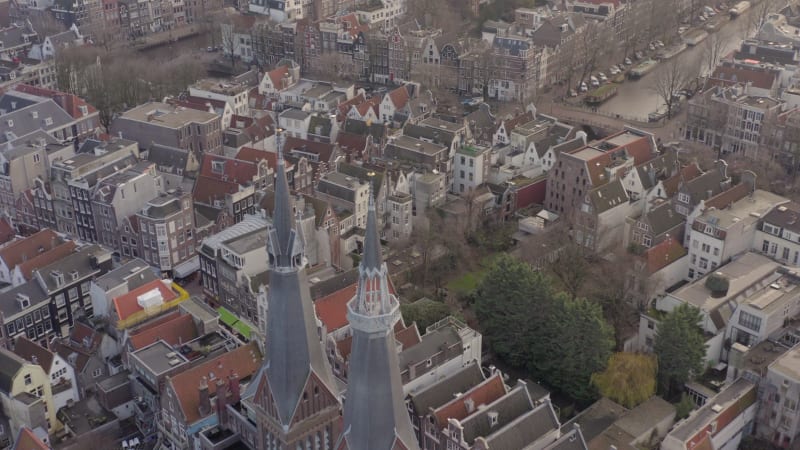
column 222, row 401
column 204, row 406
column 233, row 387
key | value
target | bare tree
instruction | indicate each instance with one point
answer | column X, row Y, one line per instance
column 713, row 48
column 228, row 37
column 45, row 24
column 671, row 78
column 330, row 66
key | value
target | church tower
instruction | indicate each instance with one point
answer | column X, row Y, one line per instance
column 375, row 415
column 295, row 404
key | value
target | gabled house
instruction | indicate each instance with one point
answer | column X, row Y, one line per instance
column 279, row 79
column 396, row 100
column 195, row 398
column 502, row 134
column 26, row 394
column 87, row 351
column 60, row 373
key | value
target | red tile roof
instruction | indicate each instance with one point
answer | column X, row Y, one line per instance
column 26, row 440
column 234, row 170
column 663, row 254
column 127, row 304
column 344, row 107
column 351, row 142
column 725, row 198
column 726, row 75
column 399, row 97
column 7, row 232
column 33, row 352
column 46, row 258
column 332, row 309
column 353, row 25
column 68, row 102
column 485, row 393
column 276, row 75
column 22, row 249
column 244, row 362
column 206, row 189
column 640, row 149
column 408, row 337
column 687, row 173
column 176, row 330
column 254, row 155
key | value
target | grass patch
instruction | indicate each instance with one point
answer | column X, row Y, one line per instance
column 466, row 283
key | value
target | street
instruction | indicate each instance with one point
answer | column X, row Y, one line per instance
column 637, row 98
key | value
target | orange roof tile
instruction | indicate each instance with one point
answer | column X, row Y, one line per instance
column 175, row 331
column 687, row 173
column 408, row 337
column 485, row 393
column 332, row 309
column 7, row 232
column 46, row 258
column 244, row 362
column 22, row 249
column 26, row 440
column 206, row 189
column 725, row 198
column 276, row 75
column 663, row 254
column 399, row 97
column 33, row 352
column 233, row 170
column 127, row 304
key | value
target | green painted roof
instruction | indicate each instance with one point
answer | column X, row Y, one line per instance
column 230, row 319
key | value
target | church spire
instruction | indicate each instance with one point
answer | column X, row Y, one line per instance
column 375, row 416
column 295, row 359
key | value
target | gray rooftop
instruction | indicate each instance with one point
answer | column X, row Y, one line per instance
column 444, row 390
column 45, row 115
column 705, row 415
column 418, row 145
column 526, row 429
column 431, row 343
column 295, row 114
column 162, row 114
column 10, row 364
column 246, row 243
column 155, row 358
column 10, row 307
column 134, row 273
column 79, row 262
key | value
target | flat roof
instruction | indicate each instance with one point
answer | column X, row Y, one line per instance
column 748, row 210
column 167, row 115
column 248, row 242
column 742, row 273
column 418, row 145
column 788, row 364
column 706, row 414
column 157, row 356
column 433, row 122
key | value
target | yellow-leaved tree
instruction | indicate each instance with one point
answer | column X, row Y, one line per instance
column 629, row 379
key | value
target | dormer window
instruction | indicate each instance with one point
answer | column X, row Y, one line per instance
column 58, row 277
column 73, row 275
column 493, row 418
column 24, row 301
column 218, row 166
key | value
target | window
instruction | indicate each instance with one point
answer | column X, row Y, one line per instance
column 750, row 321
column 28, row 379
column 765, row 246
column 97, row 372
column 773, row 248
column 716, row 251
column 647, row 241
column 651, row 325
column 706, row 248
column 73, row 293
column 703, row 263
column 683, row 197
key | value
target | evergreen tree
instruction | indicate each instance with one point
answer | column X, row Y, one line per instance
column 680, row 348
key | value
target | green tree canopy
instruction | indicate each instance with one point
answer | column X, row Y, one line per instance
column 424, row 312
column 561, row 340
column 511, row 303
column 629, row 379
column 680, row 348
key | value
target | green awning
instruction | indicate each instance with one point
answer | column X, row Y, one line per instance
column 230, row 319
column 227, row 317
column 243, row 329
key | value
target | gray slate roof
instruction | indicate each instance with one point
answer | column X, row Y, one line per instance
column 441, row 137
column 8, row 300
column 658, row 168
column 608, row 196
column 166, row 156
column 10, row 364
column 508, row 408
column 21, row 121
column 663, row 218
column 443, row 391
column 527, row 429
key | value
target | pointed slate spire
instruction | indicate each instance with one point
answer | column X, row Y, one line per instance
column 282, row 217
column 375, row 416
column 295, row 355
column 372, row 244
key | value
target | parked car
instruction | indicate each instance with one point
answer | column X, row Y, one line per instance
column 210, row 49
column 573, row 93
column 701, row 18
column 682, row 29
column 593, row 81
column 659, row 44
column 628, row 61
column 639, row 55
column 583, row 87
column 613, row 70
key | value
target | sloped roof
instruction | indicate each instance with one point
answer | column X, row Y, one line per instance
column 351, row 141
column 663, row 218
column 244, row 362
column 332, row 308
column 399, row 97
column 233, row 170
column 46, row 258
column 33, row 352
column 7, row 232
column 514, row 122
column 460, row 407
column 27, row 440
column 127, row 304
column 508, row 407
column 22, row 249
column 207, row 189
column 324, row 151
column 526, row 429
column 728, row 196
column 68, row 102
column 663, row 254
column 175, row 330
column 608, row 196
column 276, row 75
column 443, row 391
column 687, row 173
column 727, row 74
column 656, row 169
column 10, row 364
column 699, row 188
